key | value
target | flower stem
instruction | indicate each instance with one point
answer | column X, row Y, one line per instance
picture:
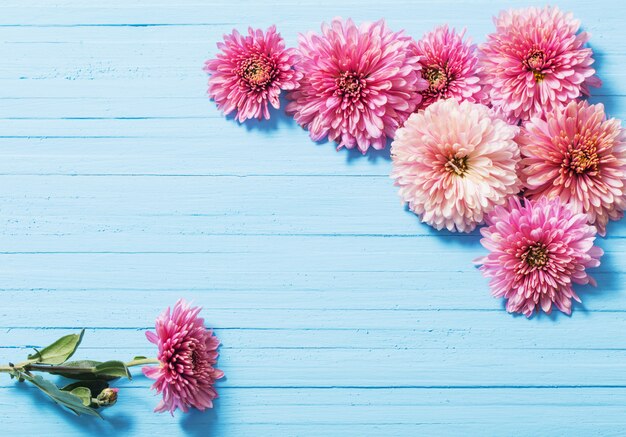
column 142, row 361
column 30, row 366
column 69, row 370
column 12, row 367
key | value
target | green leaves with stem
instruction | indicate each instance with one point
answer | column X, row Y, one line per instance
column 91, row 389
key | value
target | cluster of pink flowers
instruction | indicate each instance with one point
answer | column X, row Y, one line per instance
column 496, row 134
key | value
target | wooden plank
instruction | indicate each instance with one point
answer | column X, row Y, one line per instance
column 425, row 332
column 351, row 411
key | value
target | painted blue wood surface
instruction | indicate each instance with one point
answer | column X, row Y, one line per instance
column 122, row 189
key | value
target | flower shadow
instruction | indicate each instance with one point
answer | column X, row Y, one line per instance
column 468, row 240
column 202, row 423
column 462, row 239
column 607, row 280
column 372, row 155
column 606, row 94
column 540, row 317
column 355, row 155
column 278, row 120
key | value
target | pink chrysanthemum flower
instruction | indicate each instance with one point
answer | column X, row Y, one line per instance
column 536, row 62
column 454, row 162
column 578, row 156
column 187, row 352
column 538, row 250
column 250, row 72
column 450, row 65
column 359, row 85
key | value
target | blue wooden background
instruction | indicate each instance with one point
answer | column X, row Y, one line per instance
column 122, row 189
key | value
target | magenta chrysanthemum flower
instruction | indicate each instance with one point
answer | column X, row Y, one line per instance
column 536, row 62
column 450, row 65
column 359, row 85
column 538, row 250
column 578, row 156
column 250, row 72
column 454, row 162
column 187, row 352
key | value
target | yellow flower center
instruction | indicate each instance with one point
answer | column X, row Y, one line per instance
column 350, row 84
column 583, row 157
column 535, row 62
column 437, row 79
column 536, row 256
column 256, row 71
column 457, row 165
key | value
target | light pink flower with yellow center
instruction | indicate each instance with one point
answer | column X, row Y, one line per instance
column 579, row 157
column 536, row 62
column 537, row 251
column 250, row 72
column 188, row 353
column 454, row 162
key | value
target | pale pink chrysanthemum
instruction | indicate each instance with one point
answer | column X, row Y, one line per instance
column 454, row 162
column 187, row 352
column 360, row 83
column 537, row 251
column 450, row 65
column 578, row 156
column 536, row 62
column 250, row 72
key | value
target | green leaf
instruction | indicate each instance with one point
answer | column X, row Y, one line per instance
column 95, row 386
column 64, row 398
column 88, row 366
column 96, row 370
column 113, row 369
column 59, row 351
column 140, row 357
column 84, row 394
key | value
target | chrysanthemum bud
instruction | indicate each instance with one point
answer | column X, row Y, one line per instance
column 107, row 397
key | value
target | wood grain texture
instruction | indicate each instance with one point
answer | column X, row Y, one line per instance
column 122, row 189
